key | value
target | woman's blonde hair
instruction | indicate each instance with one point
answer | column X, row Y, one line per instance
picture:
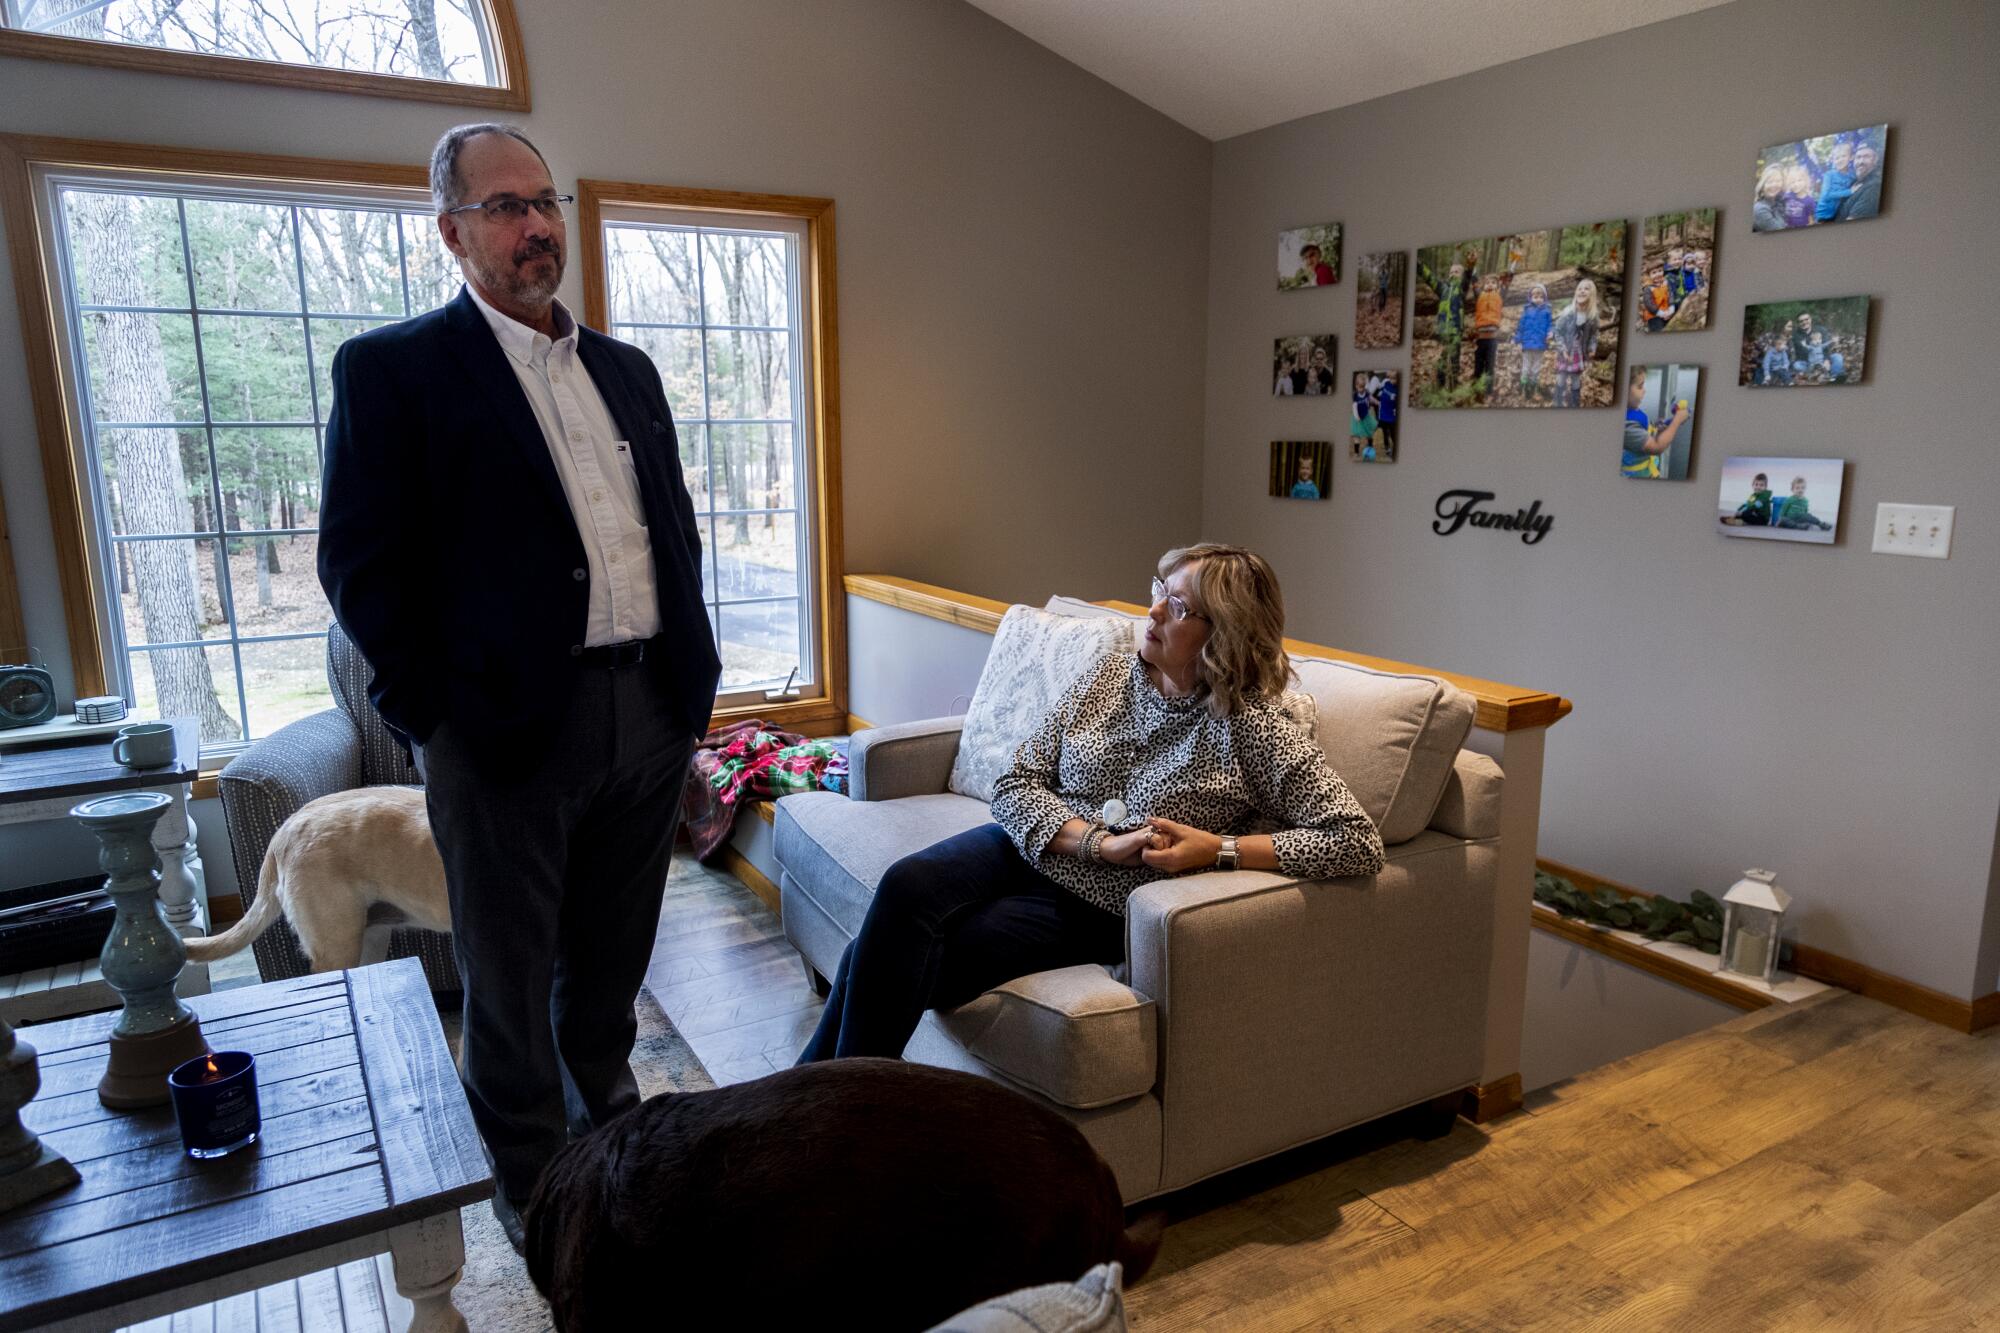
column 1237, row 590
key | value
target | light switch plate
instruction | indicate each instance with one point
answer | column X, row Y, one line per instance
column 1924, row 530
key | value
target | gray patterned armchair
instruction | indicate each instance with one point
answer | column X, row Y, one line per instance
column 346, row 746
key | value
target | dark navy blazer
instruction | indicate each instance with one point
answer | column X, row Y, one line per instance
column 447, row 545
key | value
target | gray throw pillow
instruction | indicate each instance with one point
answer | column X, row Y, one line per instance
column 1091, row 1304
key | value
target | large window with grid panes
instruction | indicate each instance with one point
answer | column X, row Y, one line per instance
column 199, row 322
column 720, row 302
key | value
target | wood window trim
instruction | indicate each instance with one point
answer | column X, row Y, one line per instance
column 825, row 715
column 57, row 418
column 13, row 628
column 509, row 94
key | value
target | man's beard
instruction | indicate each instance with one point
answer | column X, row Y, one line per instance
column 517, row 283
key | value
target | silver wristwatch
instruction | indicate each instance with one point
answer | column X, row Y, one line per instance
column 1228, row 858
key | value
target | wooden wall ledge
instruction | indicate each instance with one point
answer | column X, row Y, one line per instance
column 1630, row 948
column 1501, row 707
column 1818, row 965
column 957, row 608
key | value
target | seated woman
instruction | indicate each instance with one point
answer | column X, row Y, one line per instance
column 1187, row 735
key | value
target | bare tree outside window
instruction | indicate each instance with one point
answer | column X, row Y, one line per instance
column 429, row 39
column 717, row 310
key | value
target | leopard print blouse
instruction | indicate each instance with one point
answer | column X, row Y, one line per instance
column 1115, row 735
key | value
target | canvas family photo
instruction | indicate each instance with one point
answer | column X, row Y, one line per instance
column 1301, row 469
column 1376, row 409
column 1379, row 282
column 1676, row 266
column 1309, row 256
column 1528, row 319
column 1799, row 344
column 1827, row 178
column 1660, row 402
column 1302, row 366
column 1781, row 499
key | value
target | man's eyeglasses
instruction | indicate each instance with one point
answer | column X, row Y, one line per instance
column 1176, row 607
column 509, row 209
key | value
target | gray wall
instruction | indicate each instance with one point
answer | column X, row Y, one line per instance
column 1825, row 712
column 1585, row 1010
column 1010, row 228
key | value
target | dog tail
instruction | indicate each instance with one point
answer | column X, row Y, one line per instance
column 263, row 911
column 1139, row 1245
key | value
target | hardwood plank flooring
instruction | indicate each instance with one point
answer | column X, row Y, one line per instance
column 1831, row 1165
column 724, row 974
column 1828, row 1165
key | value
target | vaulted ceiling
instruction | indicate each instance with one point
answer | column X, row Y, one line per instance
column 1226, row 67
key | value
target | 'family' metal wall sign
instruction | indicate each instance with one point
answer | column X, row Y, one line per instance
column 1456, row 509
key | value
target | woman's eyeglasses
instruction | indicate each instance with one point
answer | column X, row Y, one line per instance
column 1176, row 607
column 511, row 210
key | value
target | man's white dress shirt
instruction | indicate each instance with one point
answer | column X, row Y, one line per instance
column 598, row 475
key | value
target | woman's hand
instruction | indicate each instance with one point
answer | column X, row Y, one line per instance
column 1124, row 849
column 1177, row 847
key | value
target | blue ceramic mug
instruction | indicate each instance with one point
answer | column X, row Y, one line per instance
column 144, row 745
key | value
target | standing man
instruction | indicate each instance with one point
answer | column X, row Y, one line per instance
column 505, row 535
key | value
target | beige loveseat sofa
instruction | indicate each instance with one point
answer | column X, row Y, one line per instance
column 1255, row 1013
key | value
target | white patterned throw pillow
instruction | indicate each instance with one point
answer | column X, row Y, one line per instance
column 1036, row 656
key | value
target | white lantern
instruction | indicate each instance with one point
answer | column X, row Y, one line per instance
column 1753, row 911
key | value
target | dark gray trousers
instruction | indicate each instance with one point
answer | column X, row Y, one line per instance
column 555, row 868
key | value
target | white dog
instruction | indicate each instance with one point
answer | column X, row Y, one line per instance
column 329, row 863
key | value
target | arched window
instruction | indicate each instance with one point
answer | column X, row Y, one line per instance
column 464, row 51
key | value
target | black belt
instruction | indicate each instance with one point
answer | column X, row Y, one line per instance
column 612, row 656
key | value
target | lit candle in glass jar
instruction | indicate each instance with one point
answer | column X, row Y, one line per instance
column 215, row 1101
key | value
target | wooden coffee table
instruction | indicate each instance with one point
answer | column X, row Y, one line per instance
column 367, row 1147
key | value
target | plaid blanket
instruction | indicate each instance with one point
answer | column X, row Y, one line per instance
column 752, row 761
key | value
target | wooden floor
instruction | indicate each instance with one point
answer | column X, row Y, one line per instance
column 1828, row 1165
column 724, row 974
column 1831, row 1165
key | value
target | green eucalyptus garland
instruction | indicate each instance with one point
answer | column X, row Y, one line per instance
column 1696, row 923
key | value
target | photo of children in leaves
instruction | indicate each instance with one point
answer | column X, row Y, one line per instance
column 1526, row 320
column 1659, row 421
column 1301, row 469
column 1782, row 499
column 1801, row 344
column 1373, row 415
column 1378, row 299
column 1827, row 178
column 1309, row 256
column 1676, row 264
column 1302, row 367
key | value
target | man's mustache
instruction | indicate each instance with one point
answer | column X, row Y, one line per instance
column 534, row 249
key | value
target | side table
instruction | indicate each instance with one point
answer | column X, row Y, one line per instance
column 41, row 778
column 367, row 1147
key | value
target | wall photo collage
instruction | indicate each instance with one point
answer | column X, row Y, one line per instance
column 1536, row 319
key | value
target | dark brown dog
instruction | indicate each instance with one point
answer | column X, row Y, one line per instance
column 874, row 1193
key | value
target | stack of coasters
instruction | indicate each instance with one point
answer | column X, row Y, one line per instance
column 103, row 708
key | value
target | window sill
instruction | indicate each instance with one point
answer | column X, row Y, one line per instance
column 808, row 717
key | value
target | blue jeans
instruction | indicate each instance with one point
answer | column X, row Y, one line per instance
column 949, row 923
